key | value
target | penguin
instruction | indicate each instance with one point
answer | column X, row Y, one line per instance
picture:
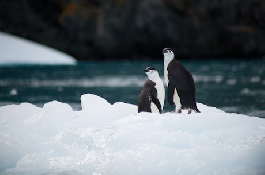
column 181, row 87
column 152, row 96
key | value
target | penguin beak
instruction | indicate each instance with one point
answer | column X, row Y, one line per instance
column 146, row 70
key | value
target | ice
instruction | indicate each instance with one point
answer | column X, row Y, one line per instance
column 16, row 50
column 105, row 138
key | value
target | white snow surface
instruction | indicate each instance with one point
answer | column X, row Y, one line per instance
column 106, row 139
column 16, row 50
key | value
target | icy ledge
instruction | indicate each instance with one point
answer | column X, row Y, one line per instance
column 106, row 138
column 16, row 50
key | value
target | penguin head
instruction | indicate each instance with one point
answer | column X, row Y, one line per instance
column 152, row 73
column 168, row 53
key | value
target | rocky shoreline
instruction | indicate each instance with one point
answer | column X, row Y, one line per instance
column 137, row 29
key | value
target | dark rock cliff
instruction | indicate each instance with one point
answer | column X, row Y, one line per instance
column 135, row 29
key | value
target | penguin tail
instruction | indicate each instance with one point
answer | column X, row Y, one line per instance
column 197, row 110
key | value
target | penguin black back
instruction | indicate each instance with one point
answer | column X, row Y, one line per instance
column 181, row 79
column 145, row 97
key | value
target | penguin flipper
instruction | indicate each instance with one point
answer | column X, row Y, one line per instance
column 170, row 93
column 156, row 101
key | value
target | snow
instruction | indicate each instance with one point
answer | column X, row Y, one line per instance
column 105, row 138
column 16, row 50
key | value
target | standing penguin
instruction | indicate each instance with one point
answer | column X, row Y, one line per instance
column 152, row 96
column 181, row 87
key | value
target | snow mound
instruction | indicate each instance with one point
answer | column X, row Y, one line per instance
column 15, row 50
column 106, row 138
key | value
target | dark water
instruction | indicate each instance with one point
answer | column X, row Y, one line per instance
column 231, row 85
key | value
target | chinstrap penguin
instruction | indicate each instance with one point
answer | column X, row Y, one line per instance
column 152, row 96
column 181, row 87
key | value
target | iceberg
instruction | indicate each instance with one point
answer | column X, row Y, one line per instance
column 16, row 50
column 106, row 139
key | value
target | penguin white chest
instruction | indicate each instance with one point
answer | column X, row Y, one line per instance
column 154, row 108
column 176, row 100
column 160, row 96
column 166, row 75
column 160, row 92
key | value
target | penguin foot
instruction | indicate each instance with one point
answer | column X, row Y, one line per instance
column 177, row 111
column 197, row 111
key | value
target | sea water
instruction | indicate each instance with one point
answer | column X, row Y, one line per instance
column 231, row 85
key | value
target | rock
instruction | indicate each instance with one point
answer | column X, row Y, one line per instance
column 138, row 29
